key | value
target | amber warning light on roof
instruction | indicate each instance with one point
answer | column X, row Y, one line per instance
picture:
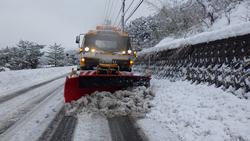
column 107, row 28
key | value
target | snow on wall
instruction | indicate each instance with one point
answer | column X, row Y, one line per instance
column 227, row 32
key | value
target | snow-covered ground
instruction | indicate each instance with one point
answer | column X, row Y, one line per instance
column 15, row 80
column 196, row 113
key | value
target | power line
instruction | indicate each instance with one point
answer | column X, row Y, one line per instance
column 132, row 13
column 105, row 6
column 126, row 11
column 117, row 17
column 113, row 13
column 123, row 14
column 109, row 15
column 107, row 10
column 129, row 6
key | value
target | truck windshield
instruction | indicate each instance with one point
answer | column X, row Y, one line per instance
column 111, row 46
column 107, row 42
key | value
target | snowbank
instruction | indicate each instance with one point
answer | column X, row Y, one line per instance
column 229, row 31
column 195, row 113
column 165, row 41
column 135, row 103
column 14, row 80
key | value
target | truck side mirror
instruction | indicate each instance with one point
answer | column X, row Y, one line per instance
column 78, row 39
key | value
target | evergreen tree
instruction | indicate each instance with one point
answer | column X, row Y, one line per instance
column 4, row 56
column 55, row 55
column 27, row 54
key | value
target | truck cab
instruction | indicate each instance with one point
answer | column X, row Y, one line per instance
column 106, row 46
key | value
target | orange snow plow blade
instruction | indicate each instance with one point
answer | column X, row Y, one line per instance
column 90, row 81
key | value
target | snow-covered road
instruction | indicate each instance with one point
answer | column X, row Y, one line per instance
column 32, row 126
column 37, row 99
column 12, row 110
column 95, row 128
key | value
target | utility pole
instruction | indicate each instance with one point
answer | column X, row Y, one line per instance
column 123, row 15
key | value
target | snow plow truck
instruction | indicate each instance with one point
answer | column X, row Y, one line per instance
column 105, row 64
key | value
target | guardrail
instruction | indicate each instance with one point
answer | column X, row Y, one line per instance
column 225, row 63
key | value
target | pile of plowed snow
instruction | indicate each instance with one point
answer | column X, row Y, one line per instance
column 134, row 102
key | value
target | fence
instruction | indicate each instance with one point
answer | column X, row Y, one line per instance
column 225, row 63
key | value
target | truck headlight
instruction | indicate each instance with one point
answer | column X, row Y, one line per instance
column 92, row 50
column 82, row 60
column 129, row 51
column 123, row 52
column 86, row 49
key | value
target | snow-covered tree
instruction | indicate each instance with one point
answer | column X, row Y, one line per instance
column 4, row 56
column 15, row 62
column 71, row 57
column 143, row 31
column 28, row 54
column 177, row 18
column 213, row 9
column 25, row 55
column 55, row 55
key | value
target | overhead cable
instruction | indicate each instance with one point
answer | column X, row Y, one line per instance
column 132, row 13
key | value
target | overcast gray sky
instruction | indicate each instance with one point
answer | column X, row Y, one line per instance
column 53, row 21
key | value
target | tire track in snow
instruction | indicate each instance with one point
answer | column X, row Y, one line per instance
column 18, row 110
column 65, row 130
column 121, row 129
column 35, row 123
column 25, row 90
column 51, row 129
column 124, row 129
